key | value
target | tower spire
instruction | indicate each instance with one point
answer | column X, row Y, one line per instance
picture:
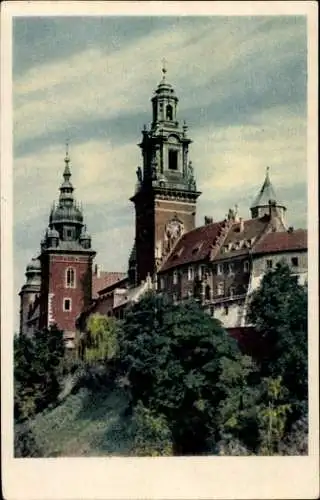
column 164, row 68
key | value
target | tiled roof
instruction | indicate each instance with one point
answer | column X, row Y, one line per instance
column 105, row 280
column 240, row 240
column 283, row 241
column 193, row 246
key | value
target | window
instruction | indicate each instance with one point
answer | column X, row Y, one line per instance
column 175, row 277
column 162, row 285
column 294, row 261
column 190, row 274
column 231, row 268
column 269, row 264
column 67, row 304
column 220, row 269
column 169, row 112
column 202, row 271
column 70, row 278
column 220, row 288
column 246, row 266
column 231, row 291
column 226, row 310
column 173, row 159
column 207, row 292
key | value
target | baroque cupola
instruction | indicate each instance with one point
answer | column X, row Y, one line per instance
column 66, row 226
column 266, row 201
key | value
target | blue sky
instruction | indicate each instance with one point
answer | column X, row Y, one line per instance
column 242, row 84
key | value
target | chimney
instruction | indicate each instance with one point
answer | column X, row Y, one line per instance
column 208, row 220
column 241, row 224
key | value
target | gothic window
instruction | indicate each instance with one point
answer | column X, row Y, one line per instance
column 70, row 278
column 173, row 159
column 169, row 112
column 67, row 304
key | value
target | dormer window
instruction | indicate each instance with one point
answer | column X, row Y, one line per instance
column 70, row 278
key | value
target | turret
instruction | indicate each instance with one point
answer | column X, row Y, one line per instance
column 266, row 202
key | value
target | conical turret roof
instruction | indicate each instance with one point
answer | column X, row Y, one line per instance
column 266, row 194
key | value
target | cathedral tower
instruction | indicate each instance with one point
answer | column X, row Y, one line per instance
column 66, row 262
column 166, row 192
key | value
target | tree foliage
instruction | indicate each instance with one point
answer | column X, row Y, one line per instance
column 99, row 343
column 38, row 366
column 151, row 433
column 279, row 312
column 182, row 364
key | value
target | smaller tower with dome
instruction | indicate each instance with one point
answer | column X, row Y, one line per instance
column 60, row 279
column 29, row 293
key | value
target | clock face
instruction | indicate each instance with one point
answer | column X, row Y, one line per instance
column 174, row 229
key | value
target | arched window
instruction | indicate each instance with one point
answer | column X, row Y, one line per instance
column 70, row 278
column 169, row 112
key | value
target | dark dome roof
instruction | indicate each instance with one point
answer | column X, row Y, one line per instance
column 66, row 213
column 34, row 265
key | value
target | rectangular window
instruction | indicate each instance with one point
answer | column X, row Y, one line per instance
column 173, row 159
column 269, row 264
column 231, row 268
column 202, row 271
column 220, row 269
column 294, row 261
column 190, row 274
column 246, row 266
column 67, row 304
column 175, row 277
column 226, row 310
column 161, row 283
column 70, row 278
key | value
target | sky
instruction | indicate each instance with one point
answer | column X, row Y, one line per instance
column 242, row 88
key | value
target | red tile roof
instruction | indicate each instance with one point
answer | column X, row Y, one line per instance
column 283, row 242
column 193, row 246
column 104, row 280
column 250, row 232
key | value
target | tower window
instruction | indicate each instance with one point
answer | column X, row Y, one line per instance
column 70, row 278
column 173, row 159
column 67, row 304
column 169, row 112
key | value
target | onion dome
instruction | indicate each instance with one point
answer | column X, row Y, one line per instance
column 66, row 211
column 164, row 88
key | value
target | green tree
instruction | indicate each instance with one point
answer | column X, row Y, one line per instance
column 38, row 365
column 273, row 415
column 279, row 312
column 178, row 360
column 151, row 434
column 99, row 343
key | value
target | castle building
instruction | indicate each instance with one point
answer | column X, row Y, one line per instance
column 219, row 264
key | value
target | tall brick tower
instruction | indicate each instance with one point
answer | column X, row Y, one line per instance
column 66, row 262
column 166, row 193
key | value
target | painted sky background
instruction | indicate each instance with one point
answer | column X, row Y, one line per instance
column 242, row 85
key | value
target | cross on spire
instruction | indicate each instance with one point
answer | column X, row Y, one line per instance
column 67, row 159
column 164, row 67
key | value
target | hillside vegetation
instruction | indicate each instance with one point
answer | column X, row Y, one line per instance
column 169, row 380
